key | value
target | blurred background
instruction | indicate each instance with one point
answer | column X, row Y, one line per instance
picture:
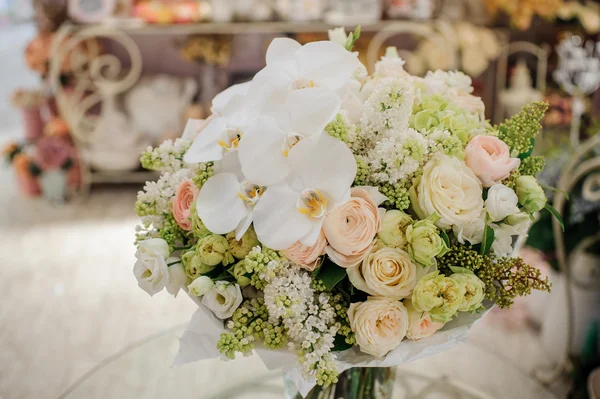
column 86, row 85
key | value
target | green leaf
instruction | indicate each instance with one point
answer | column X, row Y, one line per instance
column 445, row 237
column 488, row 240
column 556, row 190
column 555, row 213
column 340, row 344
column 527, row 154
column 331, row 274
column 460, row 270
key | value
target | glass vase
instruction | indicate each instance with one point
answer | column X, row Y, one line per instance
column 355, row 383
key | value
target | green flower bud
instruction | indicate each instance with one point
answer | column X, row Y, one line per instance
column 393, row 228
column 424, row 242
column 439, row 295
column 530, row 194
column 241, row 248
column 214, row 249
column 240, row 274
column 198, row 227
column 474, row 291
column 193, row 266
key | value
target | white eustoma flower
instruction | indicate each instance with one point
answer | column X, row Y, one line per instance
column 223, row 299
column 201, row 286
column 324, row 169
column 292, row 66
column 225, row 203
column 503, row 239
column 264, row 149
column 501, row 202
column 177, row 276
column 151, row 270
column 471, row 231
column 222, row 135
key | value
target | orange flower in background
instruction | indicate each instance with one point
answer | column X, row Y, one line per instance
column 56, row 127
column 21, row 165
column 37, row 53
column 10, row 148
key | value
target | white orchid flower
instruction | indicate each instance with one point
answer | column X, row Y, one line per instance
column 222, row 99
column 291, row 66
column 222, row 135
column 264, row 149
column 324, row 169
column 225, row 203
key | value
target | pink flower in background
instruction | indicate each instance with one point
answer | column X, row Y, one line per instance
column 489, row 158
column 184, row 199
column 53, row 152
column 307, row 257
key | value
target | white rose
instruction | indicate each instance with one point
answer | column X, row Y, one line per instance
column 419, row 323
column 151, row 271
column 223, row 299
column 201, row 286
column 450, row 189
column 379, row 324
column 520, row 222
column 443, row 81
column 177, row 276
column 472, row 231
column 501, row 202
column 502, row 244
column 387, row 271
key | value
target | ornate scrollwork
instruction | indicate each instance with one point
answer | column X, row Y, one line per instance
column 95, row 77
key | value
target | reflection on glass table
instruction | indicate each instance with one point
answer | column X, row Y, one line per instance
column 144, row 371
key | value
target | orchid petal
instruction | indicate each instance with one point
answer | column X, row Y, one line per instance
column 324, row 163
column 218, row 204
column 312, row 109
column 192, row 128
column 376, row 196
column 220, row 101
column 244, row 225
column 260, row 153
column 270, row 88
column 354, row 108
column 282, row 49
column 277, row 222
column 230, row 163
column 205, row 147
column 313, row 235
column 327, row 63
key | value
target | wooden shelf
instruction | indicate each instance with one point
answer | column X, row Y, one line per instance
column 133, row 27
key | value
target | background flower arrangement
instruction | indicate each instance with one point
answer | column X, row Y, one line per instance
column 325, row 210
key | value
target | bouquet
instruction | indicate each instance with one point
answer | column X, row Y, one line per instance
column 354, row 219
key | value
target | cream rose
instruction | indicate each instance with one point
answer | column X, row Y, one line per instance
column 386, row 271
column 419, row 323
column 449, row 189
column 307, row 257
column 351, row 227
column 379, row 324
column 489, row 157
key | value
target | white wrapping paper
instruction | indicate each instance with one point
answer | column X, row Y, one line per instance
column 199, row 342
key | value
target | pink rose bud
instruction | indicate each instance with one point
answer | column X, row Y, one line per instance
column 184, row 198
column 307, row 257
column 489, row 158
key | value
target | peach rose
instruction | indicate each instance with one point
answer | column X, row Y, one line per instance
column 489, row 158
column 351, row 227
column 307, row 257
column 419, row 323
column 379, row 324
column 184, row 198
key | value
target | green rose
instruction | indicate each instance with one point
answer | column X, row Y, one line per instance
column 194, row 267
column 214, row 249
column 393, row 228
column 530, row 194
column 439, row 295
column 198, row 227
column 424, row 242
column 240, row 274
column 241, row 248
column 474, row 291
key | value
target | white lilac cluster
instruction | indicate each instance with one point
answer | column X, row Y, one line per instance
column 316, row 184
column 308, row 317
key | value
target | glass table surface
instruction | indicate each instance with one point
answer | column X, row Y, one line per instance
column 144, row 370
